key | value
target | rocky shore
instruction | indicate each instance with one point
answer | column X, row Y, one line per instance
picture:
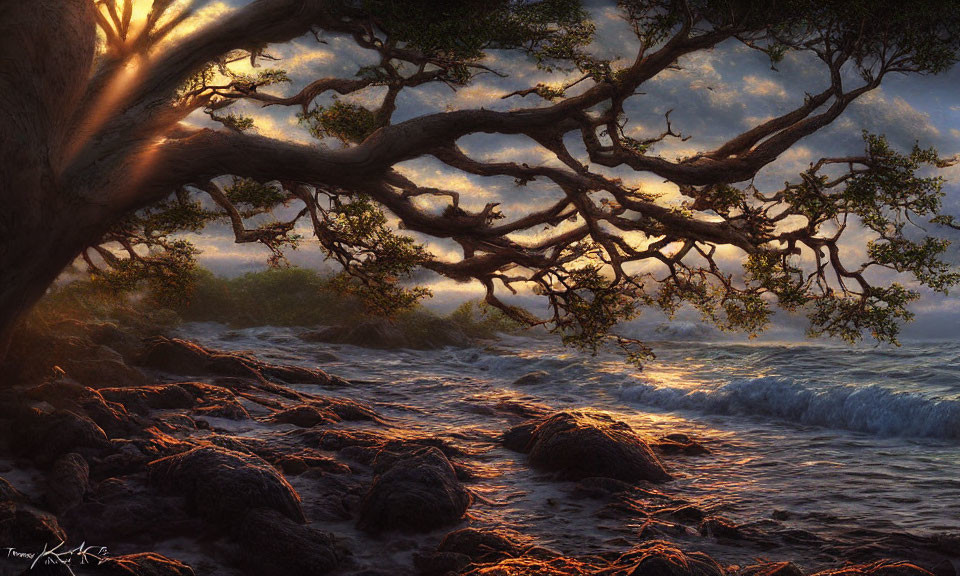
column 134, row 451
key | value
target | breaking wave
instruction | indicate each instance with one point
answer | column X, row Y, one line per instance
column 869, row 409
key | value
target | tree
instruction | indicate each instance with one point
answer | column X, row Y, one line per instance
column 96, row 163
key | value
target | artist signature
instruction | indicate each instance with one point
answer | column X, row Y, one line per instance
column 60, row 554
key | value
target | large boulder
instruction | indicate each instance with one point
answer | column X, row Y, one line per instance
column 142, row 399
column 418, row 492
column 122, row 509
column 67, row 394
column 44, row 436
column 222, row 485
column 27, row 528
column 658, row 558
column 183, row 357
column 67, row 482
column 580, row 445
column 273, row 545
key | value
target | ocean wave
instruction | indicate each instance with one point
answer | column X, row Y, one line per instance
column 869, row 409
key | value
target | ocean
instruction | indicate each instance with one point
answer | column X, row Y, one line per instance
column 825, row 446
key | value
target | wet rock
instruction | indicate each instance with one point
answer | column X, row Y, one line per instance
column 881, row 568
column 67, row 394
column 45, row 436
column 659, row 558
column 680, row 444
column 347, row 409
column 120, row 509
column 304, row 460
column 537, row 377
column 107, row 370
column 142, row 399
column 720, row 527
column 183, row 357
column 273, row 545
column 482, row 545
column 146, row 564
column 26, row 527
column 221, row 484
column 229, row 409
column 417, row 493
column 519, row 437
column 580, row 445
column 304, row 416
column 772, row 569
column 440, row 563
column 67, row 482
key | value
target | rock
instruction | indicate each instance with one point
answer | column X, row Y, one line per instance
column 146, row 564
column 304, row 416
column 680, row 444
column 658, row 558
column 417, row 493
column 273, row 545
column 519, row 437
column 537, row 377
column 347, row 409
column 229, row 409
column 304, row 460
column 182, row 357
column 66, row 394
column 772, row 569
column 881, row 568
column 109, row 371
column 25, row 527
column 67, row 482
column 142, row 399
column 440, row 563
column 45, row 436
column 720, row 527
column 482, row 545
column 121, row 509
column 221, row 485
column 580, row 445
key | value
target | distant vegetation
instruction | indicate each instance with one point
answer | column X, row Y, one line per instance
column 274, row 297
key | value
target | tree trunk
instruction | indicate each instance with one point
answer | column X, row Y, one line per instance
column 46, row 53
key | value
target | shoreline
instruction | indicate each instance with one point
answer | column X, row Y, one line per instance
column 311, row 436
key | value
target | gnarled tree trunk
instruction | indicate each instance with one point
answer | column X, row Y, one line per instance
column 46, row 54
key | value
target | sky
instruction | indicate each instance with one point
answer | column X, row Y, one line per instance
column 714, row 95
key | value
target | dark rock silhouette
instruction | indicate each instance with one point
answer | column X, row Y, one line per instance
column 417, row 493
column 580, row 445
column 221, row 485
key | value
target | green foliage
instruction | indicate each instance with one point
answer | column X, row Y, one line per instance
column 276, row 296
column 881, row 314
column 250, row 194
column 478, row 319
column 375, row 258
column 235, row 122
column 775, row 273
column 458, row 33
column 350, row 123
column 166, row 276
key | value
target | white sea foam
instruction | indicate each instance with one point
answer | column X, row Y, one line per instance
column 870, row 409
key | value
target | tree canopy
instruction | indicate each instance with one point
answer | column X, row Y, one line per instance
column 604, row 250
